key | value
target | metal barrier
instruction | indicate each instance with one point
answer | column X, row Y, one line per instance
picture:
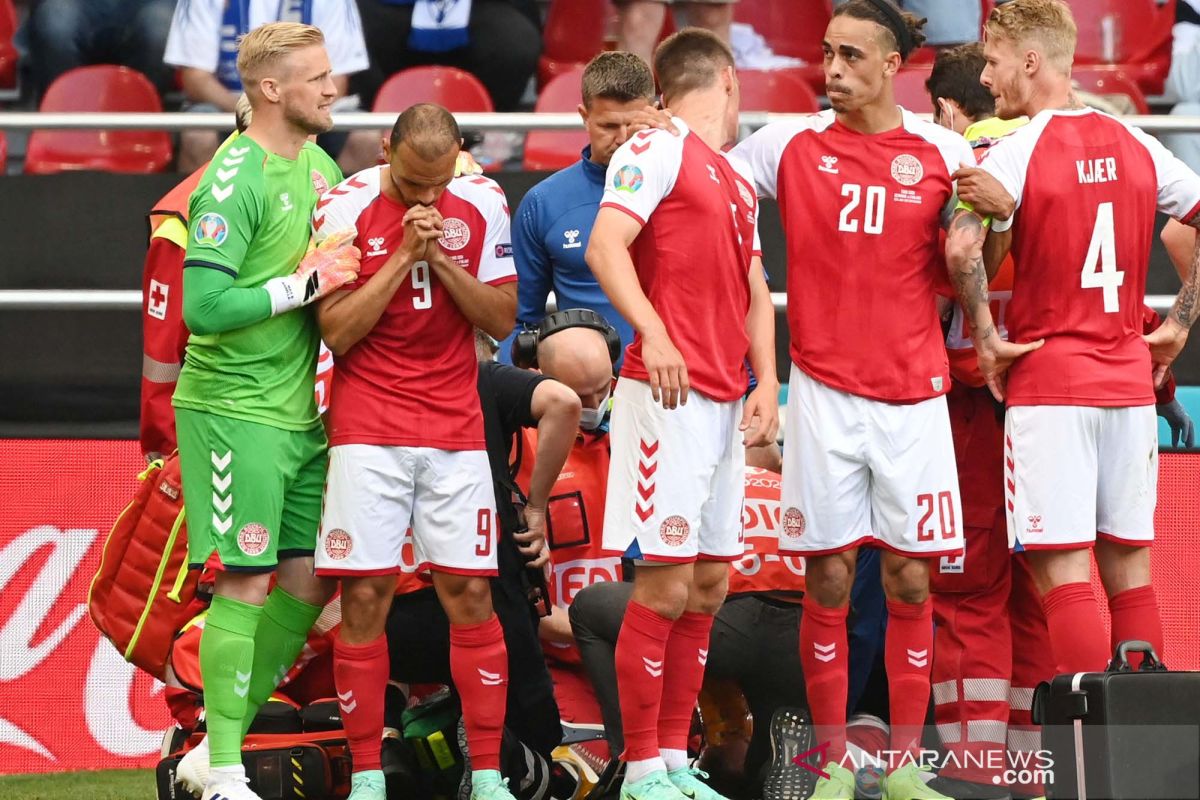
column 131, row 300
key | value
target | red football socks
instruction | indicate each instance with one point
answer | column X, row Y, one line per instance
column 906, row 654
column 640, row 660
column 360, row 672
column 1135, row 616
column 825, row 659
column 685, row 657
column 479, row 666
column 1076, row 632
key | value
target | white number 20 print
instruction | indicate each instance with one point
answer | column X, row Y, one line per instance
column 420, row 283
column 872, row 216
column 1100, row 265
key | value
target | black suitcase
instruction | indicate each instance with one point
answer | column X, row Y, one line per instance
column 1121, row 734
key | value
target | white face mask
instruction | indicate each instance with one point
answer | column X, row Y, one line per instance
column 590, row 418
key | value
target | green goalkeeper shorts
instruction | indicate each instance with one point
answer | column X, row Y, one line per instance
column 252, row 492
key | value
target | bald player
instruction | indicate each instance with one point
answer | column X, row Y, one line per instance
column 406, row 429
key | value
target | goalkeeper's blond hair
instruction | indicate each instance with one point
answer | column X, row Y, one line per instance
column 1043, row 25
column 263, row 48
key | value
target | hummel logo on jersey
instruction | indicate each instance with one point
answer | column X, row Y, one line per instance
column 241, row 683
column 571, row 236
column 310, row 287
column 702, row 657
column 346, row 702
column 286, row 199
column 712, row 173
column 828, row 164
column 376, row 245
column 825, row 652
column 489, row 678
column 655, row 668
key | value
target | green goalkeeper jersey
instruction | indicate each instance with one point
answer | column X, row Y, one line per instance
column 250, row 218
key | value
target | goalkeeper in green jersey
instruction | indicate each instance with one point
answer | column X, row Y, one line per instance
column 251, row 444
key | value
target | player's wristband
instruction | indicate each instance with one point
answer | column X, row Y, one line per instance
column 286, row 293
column 963, row 205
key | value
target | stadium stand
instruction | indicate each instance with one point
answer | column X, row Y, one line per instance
column 99, row 88
column 781, row 91
column 546, row 150
column 910, row 89
column 451, row 87
column 791, row 29
column 1113, row 81
column 3, row 153
column 8, row 52
column 578, row 30
column 1135, row 34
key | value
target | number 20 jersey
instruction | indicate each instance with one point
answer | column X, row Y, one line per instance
column 861, row 214
column 1087, row 186
column 411, row 380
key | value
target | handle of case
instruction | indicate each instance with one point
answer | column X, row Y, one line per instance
column 1150, row 661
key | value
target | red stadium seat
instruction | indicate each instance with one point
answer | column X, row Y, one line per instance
column 575, row 31
column 792, row 28
column 556, row 149
column 99, row 88
column 8, row 52
column 1135, row 34
column 781, row 91
column 910, row 89
column 447, row 86
column 1110, row 81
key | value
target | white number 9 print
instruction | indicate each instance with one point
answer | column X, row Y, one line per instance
column 1100, row 265
column 420, row 282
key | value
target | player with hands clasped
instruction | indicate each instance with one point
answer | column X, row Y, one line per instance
column 406, row 429
column 675, row 248
column 1081, row 442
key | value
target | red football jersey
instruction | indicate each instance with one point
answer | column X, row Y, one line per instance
column 861, row 214
column 411, row 380
column 762, row 568
column 700, row 229
column 1087, row 187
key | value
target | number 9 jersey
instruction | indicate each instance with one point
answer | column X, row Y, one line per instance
column 1087, row 187
column 411, row 380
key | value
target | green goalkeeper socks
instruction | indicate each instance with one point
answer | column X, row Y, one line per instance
column 226, row 661
column 282, row 632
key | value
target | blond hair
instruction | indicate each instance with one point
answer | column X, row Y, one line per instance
column 263, row 47
column 1046, row 25
column 243, row 112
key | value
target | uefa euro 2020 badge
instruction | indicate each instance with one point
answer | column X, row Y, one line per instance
column 628, row 179
column 211, row 229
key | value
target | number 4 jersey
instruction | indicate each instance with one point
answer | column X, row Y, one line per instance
column 411, row 380
column 1087, row 187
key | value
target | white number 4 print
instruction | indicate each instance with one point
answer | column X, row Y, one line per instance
column 1100, row 266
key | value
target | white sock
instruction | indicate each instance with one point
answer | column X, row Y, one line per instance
column 636, row 770
column 674, row 759
column 219, row 775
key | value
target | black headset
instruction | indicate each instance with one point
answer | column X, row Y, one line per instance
column 525, row 343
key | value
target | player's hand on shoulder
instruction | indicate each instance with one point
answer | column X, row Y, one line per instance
column 760, row 416
column 1165, row 342
column 651, row 117
column 465, row 164
column 333, row 263
column 664, row 364
column 984, row 192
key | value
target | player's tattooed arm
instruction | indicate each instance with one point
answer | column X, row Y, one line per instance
column 1166, row 341
column 964, row 259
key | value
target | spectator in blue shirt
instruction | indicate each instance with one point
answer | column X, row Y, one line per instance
column 554, row 220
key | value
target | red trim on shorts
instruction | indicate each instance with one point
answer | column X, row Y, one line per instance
column 620, row 207
column 668, row 559
column 356, row 573
column 1060, row 546
column 958, row 551
column 710, row 557
column 484, row 573
column 1112, row 537
column 828, row 551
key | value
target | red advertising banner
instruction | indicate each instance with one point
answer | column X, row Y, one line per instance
column 69, row 701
